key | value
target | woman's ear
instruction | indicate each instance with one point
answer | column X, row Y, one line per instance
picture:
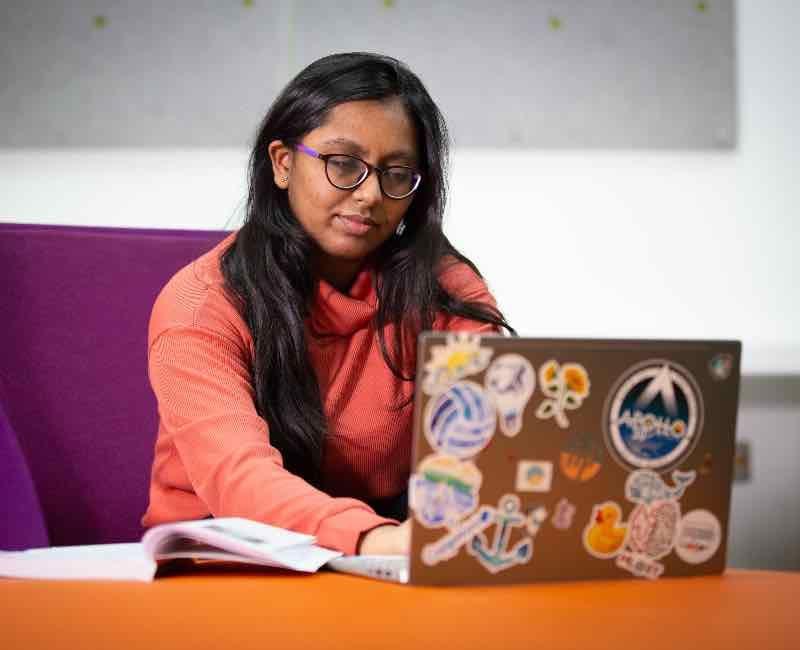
column 281, row 157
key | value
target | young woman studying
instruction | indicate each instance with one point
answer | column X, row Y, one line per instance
column 283, row 359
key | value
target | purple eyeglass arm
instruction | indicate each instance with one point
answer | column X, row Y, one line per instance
column 308, row 150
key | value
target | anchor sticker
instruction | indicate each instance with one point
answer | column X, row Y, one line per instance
column 497, row 556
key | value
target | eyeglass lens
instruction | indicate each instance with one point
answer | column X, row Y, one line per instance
column 346, row 172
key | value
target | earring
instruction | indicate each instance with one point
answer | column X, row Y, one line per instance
column 401, row 228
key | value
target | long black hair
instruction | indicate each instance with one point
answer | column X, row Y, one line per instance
column 268, row 269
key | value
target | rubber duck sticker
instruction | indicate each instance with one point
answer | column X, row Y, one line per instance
column 460, row 357
column 444, row 490
column 510, row 382
column 604, row 536
column 581, row 458
column 565, row 387
column 497, row 556
column 653, row 417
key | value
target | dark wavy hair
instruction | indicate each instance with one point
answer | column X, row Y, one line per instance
column 269, row 272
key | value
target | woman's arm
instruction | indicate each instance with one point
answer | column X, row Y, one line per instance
column 212, row 442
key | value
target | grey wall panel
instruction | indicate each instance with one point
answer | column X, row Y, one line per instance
column 566, row 73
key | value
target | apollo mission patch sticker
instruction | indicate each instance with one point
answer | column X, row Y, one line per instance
column 653, row 416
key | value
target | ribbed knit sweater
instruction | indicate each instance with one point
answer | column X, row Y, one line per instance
column 212, row 453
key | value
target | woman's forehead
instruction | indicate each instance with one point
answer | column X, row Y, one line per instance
column 369, row 127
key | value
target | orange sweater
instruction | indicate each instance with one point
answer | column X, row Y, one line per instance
column 212, row 454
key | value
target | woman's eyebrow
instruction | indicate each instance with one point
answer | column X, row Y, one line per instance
column 344, row 142
column 354, row 147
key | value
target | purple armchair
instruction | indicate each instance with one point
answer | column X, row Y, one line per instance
column 75, row 304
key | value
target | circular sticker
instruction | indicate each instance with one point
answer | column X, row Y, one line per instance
column 699, row 536
column 461, row 421
column 653, row 416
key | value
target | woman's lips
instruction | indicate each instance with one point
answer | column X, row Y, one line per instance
column 355, row 224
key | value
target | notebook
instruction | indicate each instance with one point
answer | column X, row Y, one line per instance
column 567, row 459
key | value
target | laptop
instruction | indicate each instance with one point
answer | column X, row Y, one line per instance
column 566, row 459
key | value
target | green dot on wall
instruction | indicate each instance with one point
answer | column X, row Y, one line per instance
column 555, row 23
column 100, row 22
column 247, row 3
column 702, row 7
column 389, row 4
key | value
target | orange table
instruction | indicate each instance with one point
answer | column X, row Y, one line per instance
column 275, row 610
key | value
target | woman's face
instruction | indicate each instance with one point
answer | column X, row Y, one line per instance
column 347, row 225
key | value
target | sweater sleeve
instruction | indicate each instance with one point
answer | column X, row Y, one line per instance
column 462, row 282
column 202, row 383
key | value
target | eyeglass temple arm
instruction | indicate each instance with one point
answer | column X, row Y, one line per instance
column 308, row 150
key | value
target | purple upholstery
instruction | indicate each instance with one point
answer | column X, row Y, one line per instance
column 21, row 521
column 75, row 304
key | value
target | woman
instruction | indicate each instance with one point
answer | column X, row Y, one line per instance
column 283, row 359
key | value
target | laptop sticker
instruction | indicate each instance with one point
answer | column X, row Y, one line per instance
column 581, row 457
column 705, row 468
column 447, row 547
column 721, row 366
column 497, row 556
column 645, row 486
column 565, row 387
column 460, row 357
column 510, row 381
column 443, row 491
column 461, row 421
column 653, row 416
column 699, row 537
column 605, row 535
column 563, row 515
column 653, row 524
column 534, row 476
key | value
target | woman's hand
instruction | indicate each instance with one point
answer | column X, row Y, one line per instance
column 386, row 540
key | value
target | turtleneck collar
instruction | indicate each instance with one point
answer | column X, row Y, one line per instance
column 343, row 314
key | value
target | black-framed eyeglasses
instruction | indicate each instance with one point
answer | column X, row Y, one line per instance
column 348, row 172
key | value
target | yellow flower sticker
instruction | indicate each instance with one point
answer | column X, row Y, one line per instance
column 565, row 387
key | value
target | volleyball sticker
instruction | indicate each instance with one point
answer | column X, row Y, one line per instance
column 461, row 421
column 565, row 387
column 699, row 537
column 460, row 357
column 653, row 417
column 443, row 491
column 510, row 381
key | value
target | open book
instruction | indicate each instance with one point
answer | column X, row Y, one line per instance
column 227, row 539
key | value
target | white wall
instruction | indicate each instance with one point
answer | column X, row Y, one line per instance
column 641, row 244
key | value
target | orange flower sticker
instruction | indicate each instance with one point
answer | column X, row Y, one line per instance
column 576, row 379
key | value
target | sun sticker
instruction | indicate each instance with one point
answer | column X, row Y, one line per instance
column 565, row 387
column 460, row 357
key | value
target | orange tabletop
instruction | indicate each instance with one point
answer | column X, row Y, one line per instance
column 275, row 610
